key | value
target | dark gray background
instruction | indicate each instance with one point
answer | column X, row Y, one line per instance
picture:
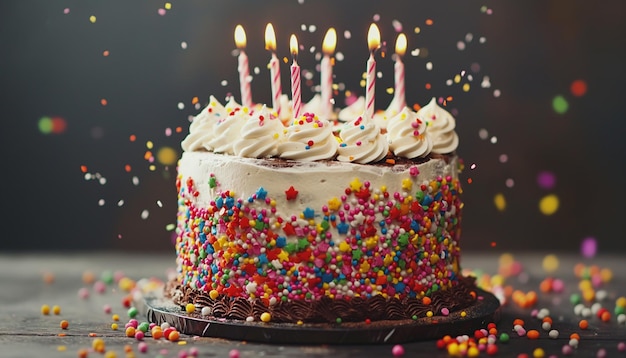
column 51, row 64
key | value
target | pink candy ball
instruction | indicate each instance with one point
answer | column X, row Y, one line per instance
column 397, row 350
column 621, row 346
column 182, row 354
column 139, row 335
column 83, row 293
column 558, row 285
column 193, row 351
column 100, row 287
column 107, row 309
column 143, row 347
column 233, row 353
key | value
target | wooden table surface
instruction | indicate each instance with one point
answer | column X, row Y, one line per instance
column 26, row 332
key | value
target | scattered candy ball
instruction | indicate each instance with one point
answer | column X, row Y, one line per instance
column 132, row 312
column 173, row 336
column 205, row 311
column 83, row 353
column 45, row 310
column 130, row 331
column 98, row 345
column 190, row 308
column 83, row 293
column 397, row 350
column 64, row 324
column 56, row 310
column 233, row 353
column 142, row 347
column 139, row 335
column 100, row 287
column 114, row 326
column 266, row 317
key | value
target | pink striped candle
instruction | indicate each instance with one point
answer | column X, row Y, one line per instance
column 399, row 96
column 326, row 72
column 296, row 95
column 274, row 66
column 373, row 42
column 243, row 67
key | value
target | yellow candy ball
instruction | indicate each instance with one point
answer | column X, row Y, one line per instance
column 56, row 310
column 214, row 294
column 45, row 310
column 266, row 317
column 190, row 308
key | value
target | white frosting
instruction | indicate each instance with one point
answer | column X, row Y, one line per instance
column 362, row 142
column 353, row 111
column 260, row 136
column 201, row 128
column 441, row 126
column 408, row 135
column 309, row 138
column 228, row 129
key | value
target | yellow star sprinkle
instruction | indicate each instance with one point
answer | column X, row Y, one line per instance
column 334, row 204
column 407, row 184
column 355, row 184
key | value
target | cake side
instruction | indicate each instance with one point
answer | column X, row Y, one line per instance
column 279, row 232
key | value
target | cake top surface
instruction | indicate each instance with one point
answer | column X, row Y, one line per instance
column 260, row 132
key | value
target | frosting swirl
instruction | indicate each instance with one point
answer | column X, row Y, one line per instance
column 228, row 129
column 408, row 135
column 308, row 138
column 441, row 126
column 259, row 136
column 362, row 142
column 353, row 110
column 201, row 128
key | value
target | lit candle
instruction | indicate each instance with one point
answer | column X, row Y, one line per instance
column 326, row 72
column 296, row 96
column 373, row 42
column 399, row 97
column 274, row 65
column 243, row 67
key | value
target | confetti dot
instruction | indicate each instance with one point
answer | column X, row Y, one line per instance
column 105, row 53
column 578, row 88
column 503, row 158
column 483, row 134
column 429, row 66
column 45, row 125
column 546, row 179
column 167, row 156
column 509, row 183
column 550, row 263
column 549, row 204
column 589, row 247
column 92, row 19
column 66, row 10
column 559, row 104
column 168, row 6
column 499, row 201
column 145, row 214
column 183, row 45
column 460, row 45
column 161, row 11
column 103, row 102
column 181, row 105
column 496, row 93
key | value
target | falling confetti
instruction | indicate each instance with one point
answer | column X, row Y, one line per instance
column 589, row 247
column 559, row 104
column 167, row 156
column 546, row 179
column 92, row 19
column 499, row 201
column 549, row 204
column 578, row 88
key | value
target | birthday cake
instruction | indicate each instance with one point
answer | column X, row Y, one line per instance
column 317, row 221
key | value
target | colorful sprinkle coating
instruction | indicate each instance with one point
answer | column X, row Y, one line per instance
column 366, row 242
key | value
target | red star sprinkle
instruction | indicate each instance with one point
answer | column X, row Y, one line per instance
column 291, row 193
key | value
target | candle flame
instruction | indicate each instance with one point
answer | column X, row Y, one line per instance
column 240, row 37
column 293, row 45
column 330, row 41
column 373, row 38
column 401, row 45
column 270, row 38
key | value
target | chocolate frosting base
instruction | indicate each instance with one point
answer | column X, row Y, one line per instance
column 327, row 310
